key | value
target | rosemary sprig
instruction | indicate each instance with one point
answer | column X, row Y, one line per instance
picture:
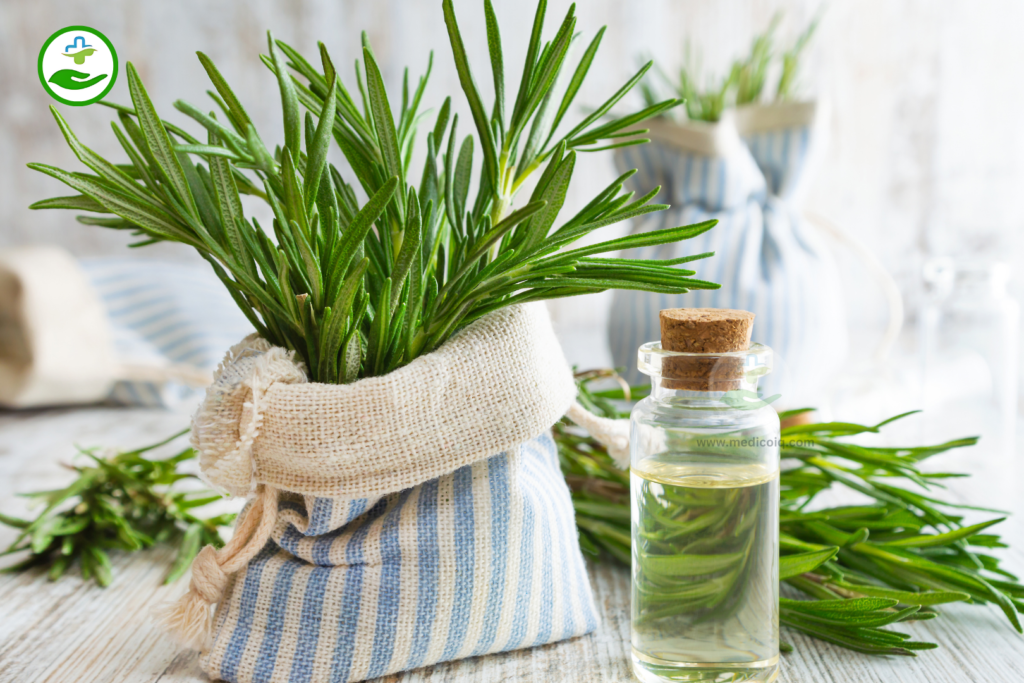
column 751, row 74
column 125, row 502
column 860, row 567
column 705, row 98
column 358, row 289
column 791, row 62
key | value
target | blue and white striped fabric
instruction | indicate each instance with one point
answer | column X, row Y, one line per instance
column 161, row 315
column 766, row 259
column 482, row 560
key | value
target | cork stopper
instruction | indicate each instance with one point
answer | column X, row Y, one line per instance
column 710, row 331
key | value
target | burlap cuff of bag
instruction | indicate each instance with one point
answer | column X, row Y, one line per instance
column 499, row 382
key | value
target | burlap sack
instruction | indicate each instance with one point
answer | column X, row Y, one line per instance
column 397, row 521
column 55, row 339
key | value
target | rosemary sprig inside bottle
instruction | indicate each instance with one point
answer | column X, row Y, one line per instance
column 126, row 501
column 859, row 567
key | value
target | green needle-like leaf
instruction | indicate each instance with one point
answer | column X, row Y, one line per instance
column 239, row 117
column 289, row 100
column 576, row 81
column 316, row 162
column 497, row 62
column 931, row 541
column 79, row 202
column 383, row 121
column 472, row 94
column 157, row 141
column 795, row 565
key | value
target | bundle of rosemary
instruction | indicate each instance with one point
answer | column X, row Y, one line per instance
column 858, row 567
column 126, row 501
column 359, row 288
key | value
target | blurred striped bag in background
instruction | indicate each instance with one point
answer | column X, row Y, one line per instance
column 170, row 325
column 748, row 171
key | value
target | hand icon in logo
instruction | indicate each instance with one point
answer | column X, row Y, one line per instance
column 72, row 80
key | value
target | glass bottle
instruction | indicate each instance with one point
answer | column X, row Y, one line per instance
column 704, row 482
column 968, row 323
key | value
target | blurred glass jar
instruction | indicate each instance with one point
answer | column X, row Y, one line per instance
column 969, row 331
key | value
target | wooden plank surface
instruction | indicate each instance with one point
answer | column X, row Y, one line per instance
column 75, row 632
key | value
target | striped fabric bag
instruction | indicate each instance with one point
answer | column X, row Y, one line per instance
column 482, row 560
column 748, row 171
column 398, row 521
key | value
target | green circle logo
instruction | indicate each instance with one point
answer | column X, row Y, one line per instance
column 77, row 65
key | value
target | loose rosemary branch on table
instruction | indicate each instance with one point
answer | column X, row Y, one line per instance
column 125, row 501
column 860, row 567
column 355, row 288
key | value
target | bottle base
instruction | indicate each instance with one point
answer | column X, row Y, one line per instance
column 653, row 670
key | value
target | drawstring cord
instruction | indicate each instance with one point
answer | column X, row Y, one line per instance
column 612, row 434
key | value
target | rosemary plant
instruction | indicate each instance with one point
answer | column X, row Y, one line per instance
column 859, row 567
column 745, row 83
column 700, row 102
column 124, row 501
column 359, row 289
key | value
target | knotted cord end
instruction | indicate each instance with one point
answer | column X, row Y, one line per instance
column 189, row 619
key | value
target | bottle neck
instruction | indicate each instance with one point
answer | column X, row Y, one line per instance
column 727, row 396
column 727, row 380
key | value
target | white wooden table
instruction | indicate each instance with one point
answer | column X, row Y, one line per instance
column 75, row 632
